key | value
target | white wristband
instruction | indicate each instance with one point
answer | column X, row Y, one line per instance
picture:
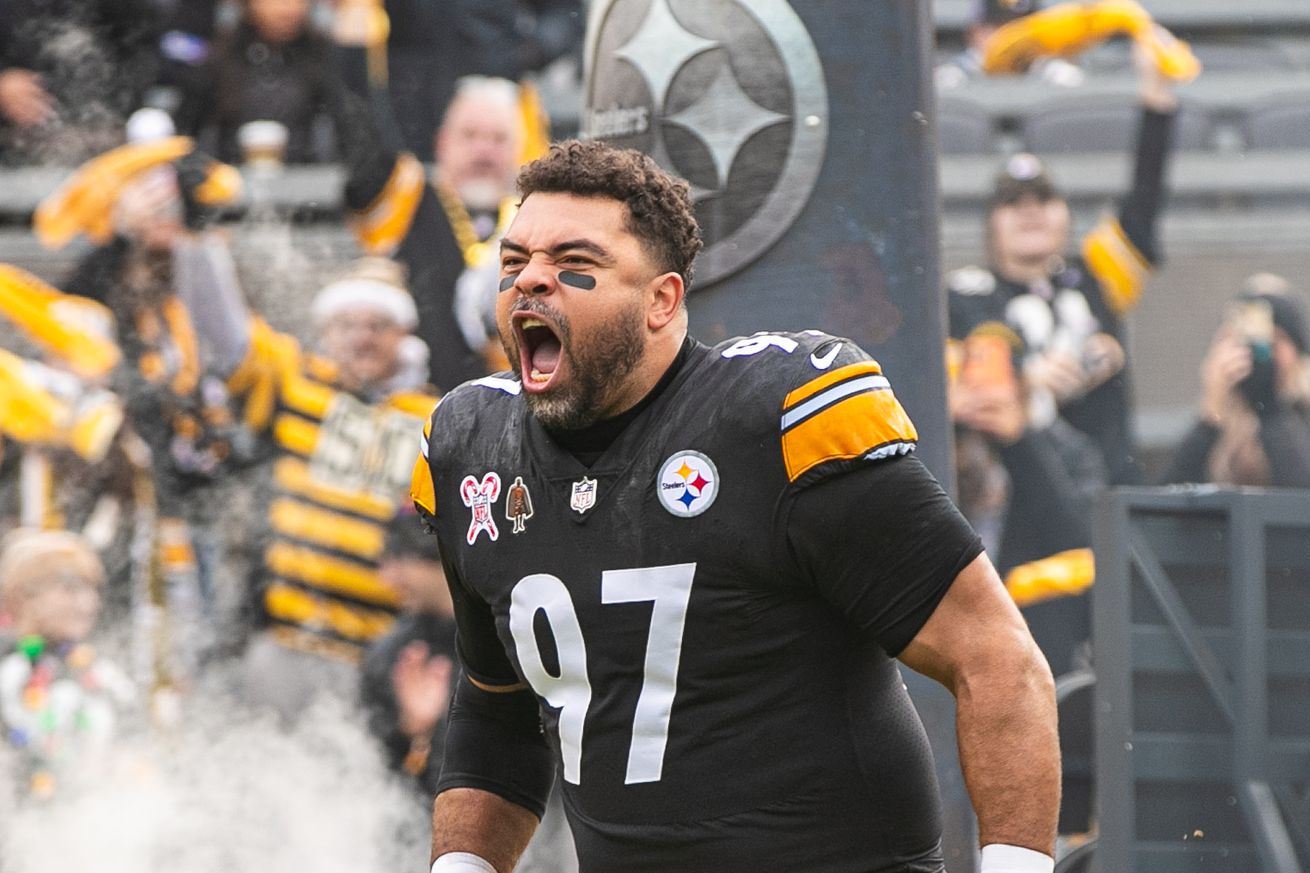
column 1000, row 858
column 462, row 862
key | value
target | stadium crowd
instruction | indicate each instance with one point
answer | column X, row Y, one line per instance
column 196, row 504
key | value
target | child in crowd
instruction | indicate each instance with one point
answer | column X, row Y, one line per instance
column 58, row 698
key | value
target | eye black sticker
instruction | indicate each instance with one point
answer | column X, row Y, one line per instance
column 507, row 283
column 577, row 280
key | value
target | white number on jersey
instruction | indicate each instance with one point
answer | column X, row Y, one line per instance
column 753, row 345
column 669, row 588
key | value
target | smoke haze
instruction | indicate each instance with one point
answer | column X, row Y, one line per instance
column 225, row 796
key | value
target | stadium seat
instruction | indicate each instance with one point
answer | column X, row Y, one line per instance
column 1281, row 122
column 1254, row 56
column 1102, row 123
column 963, row 128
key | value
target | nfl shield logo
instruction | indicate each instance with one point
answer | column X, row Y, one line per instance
column 584, row 495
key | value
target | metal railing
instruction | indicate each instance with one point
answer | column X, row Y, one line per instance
column 1201, row 628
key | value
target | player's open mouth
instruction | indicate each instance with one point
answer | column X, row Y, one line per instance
column 540, row 350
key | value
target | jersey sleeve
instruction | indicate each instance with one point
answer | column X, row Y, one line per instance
column 383, row 183
column 383, row 221
column 882, row 542
column 1117, row 263
column 842, row 409
column 481, row 653
column 270, row 369
column 1123, row 251
column 421, row 488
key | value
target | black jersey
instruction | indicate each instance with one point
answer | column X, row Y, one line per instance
column 707, row 613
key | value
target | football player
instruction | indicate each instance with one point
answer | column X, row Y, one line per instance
column 725, row 552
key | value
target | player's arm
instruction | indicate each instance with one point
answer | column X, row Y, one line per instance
column 977, row 645
column 384, row 183
column 882, row 541
column 1123, row 251
column 497, row 771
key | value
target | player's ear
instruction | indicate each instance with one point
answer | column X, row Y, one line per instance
column 664, row 300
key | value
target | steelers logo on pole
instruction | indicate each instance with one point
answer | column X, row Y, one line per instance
column 728, row 94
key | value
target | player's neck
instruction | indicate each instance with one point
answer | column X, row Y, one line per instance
column 661, row 355
column 587, row 444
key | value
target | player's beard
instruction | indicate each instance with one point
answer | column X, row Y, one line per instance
column 598, row 368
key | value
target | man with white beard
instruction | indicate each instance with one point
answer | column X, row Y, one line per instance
column 443, row 228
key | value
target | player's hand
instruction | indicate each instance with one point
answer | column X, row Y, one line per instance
column 1058, row 373
column 1157, row 89
column 24, row 99
column 422, row 686
column 1227, row 363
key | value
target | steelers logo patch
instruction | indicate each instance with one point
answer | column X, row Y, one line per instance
column 687, row 484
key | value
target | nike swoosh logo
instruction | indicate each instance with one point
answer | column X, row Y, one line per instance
column 825, row 361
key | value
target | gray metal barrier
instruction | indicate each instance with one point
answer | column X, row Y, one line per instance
column 1201, row 622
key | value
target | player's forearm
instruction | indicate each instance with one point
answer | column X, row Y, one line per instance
column 1009, row 746
column 483, row 824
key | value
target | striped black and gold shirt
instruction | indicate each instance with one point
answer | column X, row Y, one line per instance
column 341, row 467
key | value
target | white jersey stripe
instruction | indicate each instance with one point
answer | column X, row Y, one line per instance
column 836, row 393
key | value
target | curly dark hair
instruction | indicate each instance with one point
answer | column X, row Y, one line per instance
column 659, row 204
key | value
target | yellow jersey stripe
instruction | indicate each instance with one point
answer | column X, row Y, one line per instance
column 853, row 426
column 382, row 226
column 292, row 475
column 183, row 335
column 294, row 606
column 1116, row 262
column 413, row 403
column 257, row 377
column 307, row 398
column 320, row 369
column 321, row 527
column 335, row 575
column 814, row 386
column 295, row 434
column 420, row 487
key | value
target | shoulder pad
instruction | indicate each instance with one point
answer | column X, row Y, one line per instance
column 828, row 400
column 475, row 398
column 779, row 346
column 501, row 383
column 971, row 281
